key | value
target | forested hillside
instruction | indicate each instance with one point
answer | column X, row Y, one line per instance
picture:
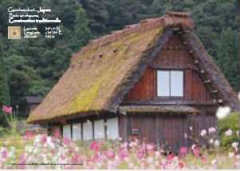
column 33, row 66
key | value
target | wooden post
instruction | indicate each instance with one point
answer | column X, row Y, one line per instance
column 93, row 132
column 124, row 127
column 82, row 131
column 157, row 133
column 105, row 129
column 61, row 128
column 49, row 132
column 71, row 128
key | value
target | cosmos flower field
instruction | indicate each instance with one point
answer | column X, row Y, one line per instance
column 55, row 152
column 45, row 152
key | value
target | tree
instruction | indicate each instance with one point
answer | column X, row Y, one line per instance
column 81, row 30
column 98, row 15
column 227, row 56
column 4, row 90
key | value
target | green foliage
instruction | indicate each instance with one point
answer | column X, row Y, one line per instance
column 12, row 130
column 35, row 65
column 98, row 15
column 230, row 122
column 4, row 90
column 227, row 55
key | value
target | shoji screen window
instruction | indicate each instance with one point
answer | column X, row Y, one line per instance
column 170, row 83
column 67, row 131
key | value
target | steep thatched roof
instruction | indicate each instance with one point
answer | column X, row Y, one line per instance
column 102, row 73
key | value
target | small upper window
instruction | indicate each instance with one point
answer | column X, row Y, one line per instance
column 170, row 83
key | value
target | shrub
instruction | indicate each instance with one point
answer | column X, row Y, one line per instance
column 228, row 129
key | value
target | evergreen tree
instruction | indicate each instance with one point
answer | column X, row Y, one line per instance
column 227, row 56
column 4, row 90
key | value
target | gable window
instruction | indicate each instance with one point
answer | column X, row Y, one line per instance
column 169, row 83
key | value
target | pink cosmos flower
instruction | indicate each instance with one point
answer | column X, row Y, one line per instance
column 181, row 165
column 76, row 159
column 212, row 130
column 4, row 153
column 123, row 153
column 96, row 157
column 53, row 140
column 109, row 154
column 95, row 146
column 66, row 141
column 57, row 133
column 22, row 161
column 203, row 159
column 163, row 166
column 141, row 153
column 183, row 151
column 28, row 135
column 150, row 147
column 53, row 152
column 7, row 109
column 133, row 144
column 124, row 145
column 196, row 152
column 170, row 157
column 43, row 138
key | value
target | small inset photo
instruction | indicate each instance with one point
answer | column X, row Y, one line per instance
column 14, row 32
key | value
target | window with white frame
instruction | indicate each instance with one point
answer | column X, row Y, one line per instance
column 76, row 132
column 99, row 129
column 87, row 131
column 67, row 131
column 169, row 83
column 112, row 128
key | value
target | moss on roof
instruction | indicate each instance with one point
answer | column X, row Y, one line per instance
column 93, row 76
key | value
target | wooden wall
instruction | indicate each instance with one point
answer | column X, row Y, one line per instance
column 173, row 56
column 166, row 131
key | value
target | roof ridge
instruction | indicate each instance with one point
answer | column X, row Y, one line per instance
column 172, row 19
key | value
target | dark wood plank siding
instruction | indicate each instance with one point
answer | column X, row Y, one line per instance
column 146, row 126
column 144, row 89
column 171, row 132
column 167, row 131
column 173, row 56
column 195, row 90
